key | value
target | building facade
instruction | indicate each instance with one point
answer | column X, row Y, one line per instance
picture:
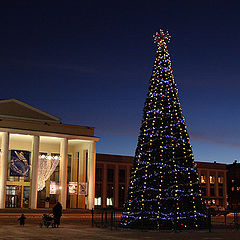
column 233, row 186
column 213, row 182
column 112, row 178
column 43, row 159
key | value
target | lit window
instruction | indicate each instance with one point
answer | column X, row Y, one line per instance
column 232, row 188
column 212, row 179
column 98, row 201
column 220, row 179
column 110, row 201
column 203, row 179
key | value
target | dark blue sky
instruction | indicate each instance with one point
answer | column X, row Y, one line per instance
column 89, row 63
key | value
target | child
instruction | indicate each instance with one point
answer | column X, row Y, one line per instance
column 22, row 220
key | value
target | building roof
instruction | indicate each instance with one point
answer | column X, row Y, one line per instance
column 210, row 165
column 20, row 116
column 109, row 158
column 114, row 158
column 15, row 109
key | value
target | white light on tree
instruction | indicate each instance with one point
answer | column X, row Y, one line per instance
column 47, row 165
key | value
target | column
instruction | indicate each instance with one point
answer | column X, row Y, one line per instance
column 104, row 186
column 225, row 189
column 208, row 186
column 82, row 173
column 216, row 188
column 91, row 176
column 127, row 181
column 74, row 178
column 116, row 186
column 3, row 168
column 63, row 173
column 34, row 180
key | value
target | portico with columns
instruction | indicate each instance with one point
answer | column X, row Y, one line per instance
column 25, row 128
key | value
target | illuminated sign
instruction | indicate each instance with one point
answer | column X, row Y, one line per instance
column 82, row 188
column 53, row 187
column 72, row 188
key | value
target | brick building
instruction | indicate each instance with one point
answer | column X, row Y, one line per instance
column 213, row 180
column 112, row 178
column 233, row 185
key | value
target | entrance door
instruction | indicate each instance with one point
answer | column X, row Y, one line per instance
column 13, row 197
column 11, row 201
column 26, row 191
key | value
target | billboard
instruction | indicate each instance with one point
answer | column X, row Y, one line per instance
column 72, row 188
column 82, row 188
column 19, row 163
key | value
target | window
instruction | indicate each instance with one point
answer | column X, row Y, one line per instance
column 212, row 192
column 98, row 201
column 55, row 175
column 212, row 179
column 13, row 194
column 26, row 191
column 204, row 191
column 110, row 175
column 98, row 174
column 110, row 194
column 203, row 179
column 220, row 192
column 109, row 201
column 122, row 175
column 220, row 179
column 98, row 190
column 12, row 190
column 121, row 195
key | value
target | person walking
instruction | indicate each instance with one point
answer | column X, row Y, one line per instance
column 22, row 220
column 57, row 213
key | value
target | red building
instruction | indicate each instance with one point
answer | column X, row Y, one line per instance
column 112, row 178
column 233, row 187
column 213, row 180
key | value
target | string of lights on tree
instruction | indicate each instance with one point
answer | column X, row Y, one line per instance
column 164, row 190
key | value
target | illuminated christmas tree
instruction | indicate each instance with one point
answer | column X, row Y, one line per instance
column 163, row 191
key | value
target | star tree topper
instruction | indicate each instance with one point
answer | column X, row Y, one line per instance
column 161, row 36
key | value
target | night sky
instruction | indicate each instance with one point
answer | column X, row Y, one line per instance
column 89, row 63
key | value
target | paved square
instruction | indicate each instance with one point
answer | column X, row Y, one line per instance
column 79, row 231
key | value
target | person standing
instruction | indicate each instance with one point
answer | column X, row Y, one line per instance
column 22, row 220
column 57, row 213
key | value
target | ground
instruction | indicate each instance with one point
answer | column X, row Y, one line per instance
column 78, row 226
column 68, row 231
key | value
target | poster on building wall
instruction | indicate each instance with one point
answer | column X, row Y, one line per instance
column 82, row 188
column 72, row 188
column 53, row 187
column 19, row 163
